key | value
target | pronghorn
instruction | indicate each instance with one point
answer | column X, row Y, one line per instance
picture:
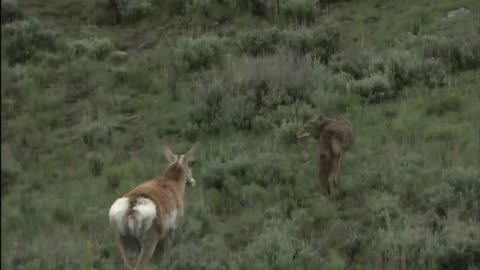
column 335, row 137
column 150, row 212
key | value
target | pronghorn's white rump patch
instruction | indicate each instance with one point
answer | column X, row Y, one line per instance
column 170, row 221
column 144, row 212
column 138, row 222
column 117, row 214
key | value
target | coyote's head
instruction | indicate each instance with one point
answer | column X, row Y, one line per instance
column 312, row 127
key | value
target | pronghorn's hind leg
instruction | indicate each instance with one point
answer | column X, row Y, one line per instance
column 148, row 243
column 123, row 244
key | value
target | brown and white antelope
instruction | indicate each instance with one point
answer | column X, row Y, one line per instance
column 335, row 137
column 150, row 212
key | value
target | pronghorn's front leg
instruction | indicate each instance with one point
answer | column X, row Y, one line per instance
column 148, row 245
column 168, row 242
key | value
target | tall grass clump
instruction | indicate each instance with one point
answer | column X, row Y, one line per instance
column 24, row 38
column 457, row 54
column 251, row 87
column 131, row 10
column 359, row 64
column 277, row 248
column 402, row 68
column 373, row 88
column 10, row 11
column 97, row 48
column 193, row 54
column 321, row 42
column 300, row 11
column 258, row 42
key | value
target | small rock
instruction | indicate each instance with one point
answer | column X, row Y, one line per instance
column 459, row 12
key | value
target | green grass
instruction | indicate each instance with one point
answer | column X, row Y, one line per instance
column 79, row 130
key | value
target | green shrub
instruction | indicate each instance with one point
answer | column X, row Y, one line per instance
column 285, row 133
column 374, row 88
column 130, row 10
column 207, row 115
column 10, row 11
column 359, row 65
column 256, row 7
column 176, row 7
column 263, row 170
column 326, row 41
column 439, row 196
column 10, row 168
column 261, row 124
column 384, row 209
column 442, row 48
column 95, row 164
column 97, row 48
column 457, row 54
column 467, row 190
column 470, row 53
column 453, row 248
column 23, row 39
column 258, row 42
column 302, row 11
column 209, row 253
column 445, row 104
column 252, row 87
column 296, row 112
column 277, row 248
column 136, row 76
column 402, row 69
column 321, row 42
column 213, row 10
column 193, row 54
column 433, row 73
column 321, row 215
column 196, row 224
column 96, row 133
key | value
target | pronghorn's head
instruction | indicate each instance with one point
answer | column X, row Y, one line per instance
column 312, row 127
column 180, row 164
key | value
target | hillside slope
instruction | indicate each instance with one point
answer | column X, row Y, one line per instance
column 87, row 105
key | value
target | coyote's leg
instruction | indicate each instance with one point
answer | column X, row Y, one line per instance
column 325, row 171
column 336, row 160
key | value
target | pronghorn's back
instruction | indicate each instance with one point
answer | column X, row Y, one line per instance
column 157, row 202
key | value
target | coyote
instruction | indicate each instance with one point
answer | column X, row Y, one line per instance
column 335, row 137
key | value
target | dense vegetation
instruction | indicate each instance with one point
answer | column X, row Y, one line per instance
column 91, row 90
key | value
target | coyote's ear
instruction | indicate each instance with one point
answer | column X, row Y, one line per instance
column 168, row 153
column 315, row 117
column 320, row 118
column 190, row 155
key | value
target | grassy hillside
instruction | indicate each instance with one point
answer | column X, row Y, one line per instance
column 87, row 104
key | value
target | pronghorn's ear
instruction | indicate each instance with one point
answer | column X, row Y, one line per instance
column 190, row 155
column 168, row 153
